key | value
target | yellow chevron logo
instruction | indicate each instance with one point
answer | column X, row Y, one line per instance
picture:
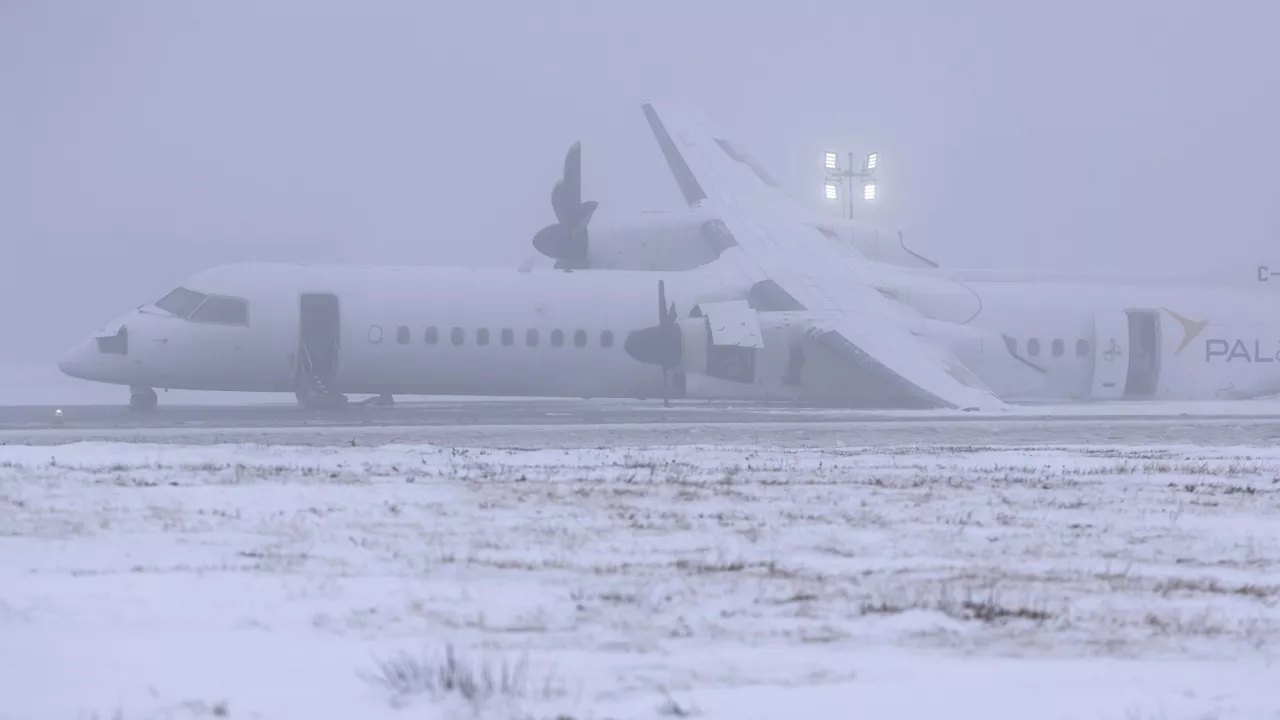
column 1191, row 329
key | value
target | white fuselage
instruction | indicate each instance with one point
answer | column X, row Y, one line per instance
column 1067, row 329
column 459, row 331
column 404, row 330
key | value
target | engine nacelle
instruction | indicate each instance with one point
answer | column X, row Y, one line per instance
column 657, row 240
column 731, row 350
column 673, row 240
column 677, row 240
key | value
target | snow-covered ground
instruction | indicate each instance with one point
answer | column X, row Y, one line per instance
column 727, row 582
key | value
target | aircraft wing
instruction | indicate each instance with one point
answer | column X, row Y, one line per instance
column 767, row 242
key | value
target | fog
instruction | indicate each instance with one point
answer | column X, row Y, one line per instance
column 141, row 142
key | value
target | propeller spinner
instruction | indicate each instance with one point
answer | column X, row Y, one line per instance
column 660, row 344
column 566, row 240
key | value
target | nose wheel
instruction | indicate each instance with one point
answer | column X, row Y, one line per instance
column 143, row 399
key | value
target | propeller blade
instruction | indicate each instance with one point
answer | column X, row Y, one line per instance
column 567, row 239
column 560, row 205
column 573, row 175
column 662, row 302
column 588, row 209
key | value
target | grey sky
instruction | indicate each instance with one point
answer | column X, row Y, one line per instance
column 143, row 141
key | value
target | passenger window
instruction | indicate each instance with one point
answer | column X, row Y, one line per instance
column 432, row 336
column 375, row 334
column 482, row 336
column 1033, row 347
column 557, row 338
column 531, row 337
column 222, row 311
column 457, row 336
column 181, row 302
column 402, row 335
column 580, row 338
column 606, row 338
column 1082, row 347
column 508, row 337
column 1057, row 348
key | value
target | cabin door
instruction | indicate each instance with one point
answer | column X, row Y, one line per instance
column 319, row 343
column 1110, row 355
column 1126, row 354
column 1144, row 355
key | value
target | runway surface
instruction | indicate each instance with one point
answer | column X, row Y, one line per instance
column 558, row 422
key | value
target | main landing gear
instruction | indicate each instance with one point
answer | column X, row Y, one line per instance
column 142, row 399
column 334, row 401
column 320, row 398
column 383, row 400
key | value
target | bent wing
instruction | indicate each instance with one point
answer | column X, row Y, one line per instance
column 766, row 239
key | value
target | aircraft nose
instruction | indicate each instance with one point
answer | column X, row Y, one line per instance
column 77, row 361
column 97, row 356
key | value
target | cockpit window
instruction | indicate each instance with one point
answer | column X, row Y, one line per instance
column 222, row 311
column 180, row 302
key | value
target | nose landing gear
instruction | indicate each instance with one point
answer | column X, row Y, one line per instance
column 142, row 399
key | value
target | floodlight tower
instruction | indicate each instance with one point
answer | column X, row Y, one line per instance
column 867, row 176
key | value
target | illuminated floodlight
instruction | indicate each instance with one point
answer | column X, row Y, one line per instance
column 832, row 161
column 832, row 191
column 869, row 191
column 872, row 158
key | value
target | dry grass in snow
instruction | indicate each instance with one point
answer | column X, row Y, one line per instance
column 643, row 573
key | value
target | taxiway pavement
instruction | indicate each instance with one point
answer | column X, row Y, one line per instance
column 577, row 423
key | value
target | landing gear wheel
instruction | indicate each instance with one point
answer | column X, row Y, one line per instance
column 143, row 400
column 320, row 401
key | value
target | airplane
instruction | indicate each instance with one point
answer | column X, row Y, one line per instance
column 773, row 309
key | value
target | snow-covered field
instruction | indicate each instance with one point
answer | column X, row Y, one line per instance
column 148, row 581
